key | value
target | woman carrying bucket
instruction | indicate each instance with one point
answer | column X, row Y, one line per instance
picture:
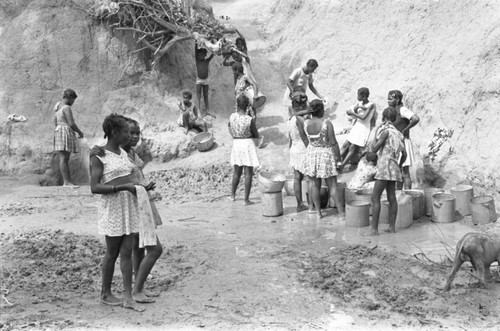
column 388, row 144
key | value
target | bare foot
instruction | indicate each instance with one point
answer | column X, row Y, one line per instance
column 210, row 114
column 390, row 230
column 231, row 198
column 301, row 208
column 142, row 298
column 248, row 202
column 373, row 233
column 111, row 300
column 133, row 305
column 152, row 294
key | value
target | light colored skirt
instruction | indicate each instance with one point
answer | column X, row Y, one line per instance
column 117, row 214
column 65, row 139
column 244, row 153
column 410, row 155
column 298, row 153
column 319, row 162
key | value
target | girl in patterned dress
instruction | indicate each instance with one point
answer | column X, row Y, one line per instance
column 322, row 152
column 244, row 154
column 117, row 208
column 64, row 134
column 388, row 144
column 298, row 149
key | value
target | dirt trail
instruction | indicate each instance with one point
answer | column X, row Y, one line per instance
column 226, row 267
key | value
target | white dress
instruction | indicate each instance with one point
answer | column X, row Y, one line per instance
column 361, row 129
column 117, row 213
column 298, row 150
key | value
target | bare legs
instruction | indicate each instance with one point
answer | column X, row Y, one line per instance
column 390, row 187
column 297, row 188
column 238, row 170
column 118, row 246
column 199, row 89
column 142, row 267
column 351, row 152
column 331, row 182
column 315, row 193
column 64, row 167
column 406, row 178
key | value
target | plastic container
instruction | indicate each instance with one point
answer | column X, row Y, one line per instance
column 428, row 192
column 404, row 217
column 271, row 182
column 444, row 207
column 204, row 141
column 418, row 202
column 483, row 209
column 357, row 214
column 463, row 194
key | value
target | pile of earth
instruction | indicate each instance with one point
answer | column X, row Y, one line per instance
column 59, row 267
column 207, row 183
column 384, row 284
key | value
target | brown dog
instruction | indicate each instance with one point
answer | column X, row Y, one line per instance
column 481, row 250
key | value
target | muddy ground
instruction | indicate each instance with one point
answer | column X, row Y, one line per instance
column 225, row 267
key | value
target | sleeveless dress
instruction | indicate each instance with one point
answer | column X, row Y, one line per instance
column 244, row 152
column 361, row 129
column 117, row 213
column 298, row 150
column 319, row 161
column 242, row 87
column 388, row 155
column 64, row 136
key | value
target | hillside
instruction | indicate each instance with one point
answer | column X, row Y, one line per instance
column 441, row 54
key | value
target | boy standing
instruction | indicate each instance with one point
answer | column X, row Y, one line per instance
column 303, row 77
column 202, row 65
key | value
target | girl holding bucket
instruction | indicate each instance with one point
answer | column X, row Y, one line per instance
column 388, row 144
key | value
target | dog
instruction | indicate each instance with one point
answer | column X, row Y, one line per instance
column 481, row 250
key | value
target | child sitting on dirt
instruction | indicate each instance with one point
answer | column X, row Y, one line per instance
column 364, row 177
column 202, row 65
column 188, row 118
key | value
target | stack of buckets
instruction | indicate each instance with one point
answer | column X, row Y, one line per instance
column 443, row 206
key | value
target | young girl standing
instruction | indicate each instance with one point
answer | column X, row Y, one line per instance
column 243, row 155
column 388, row 144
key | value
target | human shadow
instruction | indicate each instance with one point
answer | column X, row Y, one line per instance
column 273, row 135
column 267, row 121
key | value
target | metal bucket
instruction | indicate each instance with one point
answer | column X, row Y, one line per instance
column 428, row 192
column 483, row 209
column 464, row 194
column 443, row 205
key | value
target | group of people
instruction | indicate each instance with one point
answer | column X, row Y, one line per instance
column 315, row 153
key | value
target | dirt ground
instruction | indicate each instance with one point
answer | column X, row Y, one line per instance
column 227, row 267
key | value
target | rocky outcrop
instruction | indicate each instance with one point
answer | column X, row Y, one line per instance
column 47, row 46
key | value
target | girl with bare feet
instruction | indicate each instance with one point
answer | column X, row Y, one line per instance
column 118, row 217
column 388, row 144
column 298, row 149
column 244, row 154
column 143, row 258
column 64, row 134
column 322, row 152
